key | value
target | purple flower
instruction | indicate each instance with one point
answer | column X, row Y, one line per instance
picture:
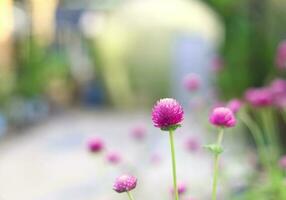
column 167, row 114
column 95, row 145
column 259, row 97
column 182, row 188
column 281, row 55
column 138, row 132
column 124, row 183
column 223, row 117
column 234, row 105
column 282, row 162
column 113, row 157
column 192, row 82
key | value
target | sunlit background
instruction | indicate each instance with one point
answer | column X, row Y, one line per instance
column 72, row 71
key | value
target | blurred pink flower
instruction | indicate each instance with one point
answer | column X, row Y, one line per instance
column 182, row 188
column 192, row 144
column 282, row 162
column 217, row 64
column 95, row 145
column 234, row 105
column 281, row 55
column 125, row 183
column 259, row 97
column 192, row 82
column 167, row 113
column 138, row 132
column 223, row 117
column 113, row 157
column 278, row 89
column 155, row 158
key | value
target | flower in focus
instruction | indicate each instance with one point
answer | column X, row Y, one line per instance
column 182, row 188
column 192, row 82
column 281, row 55
column 282, row 162
column 234, row 105
column 259, row 97
column 192, row 144
column 95, row 145
column 124, row 183
column 167, row 114
column 138, row 132
column 113, row 157
column 223, row 117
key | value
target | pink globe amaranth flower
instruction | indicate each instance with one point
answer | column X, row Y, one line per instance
column 281, row 55
column 113, row 157
column 234, row 105
column 222, row 117
column 192, row 144
column 95, row 145
column 192, row 82
column 278, row 87
column 182, row 188
column 124, row 183
column 282, row 162
column 167, row 114
column 259, row 97
column 138, row 132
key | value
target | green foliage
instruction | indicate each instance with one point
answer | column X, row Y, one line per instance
column 252, row 35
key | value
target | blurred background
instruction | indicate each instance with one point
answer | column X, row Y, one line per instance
column 73, row 70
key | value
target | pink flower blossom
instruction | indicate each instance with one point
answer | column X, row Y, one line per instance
column 113, row 157
column 234, row 105
column 192, row 82
column 167, row 113
column 282, row 162
column 259, row 97
column 95, row 145
column 182, row 188
column 192, row 144
column 138, row 132
column 124, row 183
column 223, row 117
column 281, row 55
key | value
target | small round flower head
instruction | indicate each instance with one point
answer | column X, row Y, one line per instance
column 124, row 183
column 167, row 114
column 234, row 105
column 259, row 97
column 138, row 132
column 192, row 82
column 113, row 157
column 182, row 188
column 282, row 162
column 95, row 145
column 222, row 117
column 281, row 55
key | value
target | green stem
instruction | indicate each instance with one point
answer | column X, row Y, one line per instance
column 130, row 195
column 256, row 134
column 171, row 134
column 216, row 165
